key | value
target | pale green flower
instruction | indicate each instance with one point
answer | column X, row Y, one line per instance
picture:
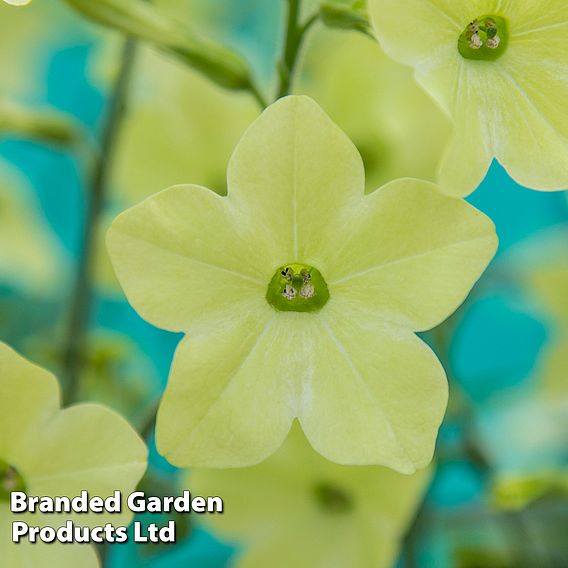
column 179, row 126
column 300, row 296
column 399, row 129
column 30, row 256
column 497, row 67
column 48, row 451
column 298, row 509
column 115, row 372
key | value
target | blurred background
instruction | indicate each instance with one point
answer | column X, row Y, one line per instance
column 497, row 495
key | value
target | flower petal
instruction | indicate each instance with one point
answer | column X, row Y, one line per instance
column 293, row 172
column 377, row 393
column 532, row 98
column 410, row 254
column 62, row 452
column 86, row 447
column 231, row 394
column 30, row 396
column 53, row 555
column 181, row 256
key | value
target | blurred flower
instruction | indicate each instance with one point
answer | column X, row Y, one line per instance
column 30, row 256
column 17, row 2
column 115, row 372
column 179, row 126
column 298, row 509
column 249, row 277
column 398, row 129
column 497, row 69
column 48, row 451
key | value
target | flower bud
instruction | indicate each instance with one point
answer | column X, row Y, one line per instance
column 345, row 17
column 144, row 21
column 38, row 124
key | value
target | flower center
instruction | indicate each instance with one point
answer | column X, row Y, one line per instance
column 484, row 39
column 10, row 480
column 297, row 288
column 333, row 499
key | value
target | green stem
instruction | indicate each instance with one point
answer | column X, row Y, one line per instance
column 258, row 96
column 75, row 339
column 295, row 34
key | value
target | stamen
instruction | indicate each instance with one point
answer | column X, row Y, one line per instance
column 307, row 291
column 288, row 274
column 474, row 27
column 493, row 42
column 289, row 292
column 475, row 42
column 484, row 39
column 297, row 288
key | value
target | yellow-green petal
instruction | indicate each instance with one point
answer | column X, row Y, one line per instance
column 53, row 555
column 376, row 393
column 295, row 172
column 409, row 254
column 30, row 396
column 182, row 256
column 231, row 396
column 86, row 447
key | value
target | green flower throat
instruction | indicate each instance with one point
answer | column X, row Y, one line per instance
column 484, row 39
column 297, row 288
column 10, row 480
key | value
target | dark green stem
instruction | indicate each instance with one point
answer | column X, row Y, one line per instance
column 295, row 34
column 77, row 327
column 258, row 96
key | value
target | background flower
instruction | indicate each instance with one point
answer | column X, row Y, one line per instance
column 505, row 102
column 59, row 452
column 350, row 516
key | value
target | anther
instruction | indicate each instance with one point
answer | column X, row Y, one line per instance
column 475, row 41
column 474, row 27
column 307, row 291
column 288, row 274
column 289, row 292
column 493, row 42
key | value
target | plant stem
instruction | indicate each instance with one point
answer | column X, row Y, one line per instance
column 258, row 96
column 295, row 34
column 77, row 327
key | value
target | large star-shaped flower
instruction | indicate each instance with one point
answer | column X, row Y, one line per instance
column 299, row 296
column 47, row 451
column 298, row 509
column 498, row 68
